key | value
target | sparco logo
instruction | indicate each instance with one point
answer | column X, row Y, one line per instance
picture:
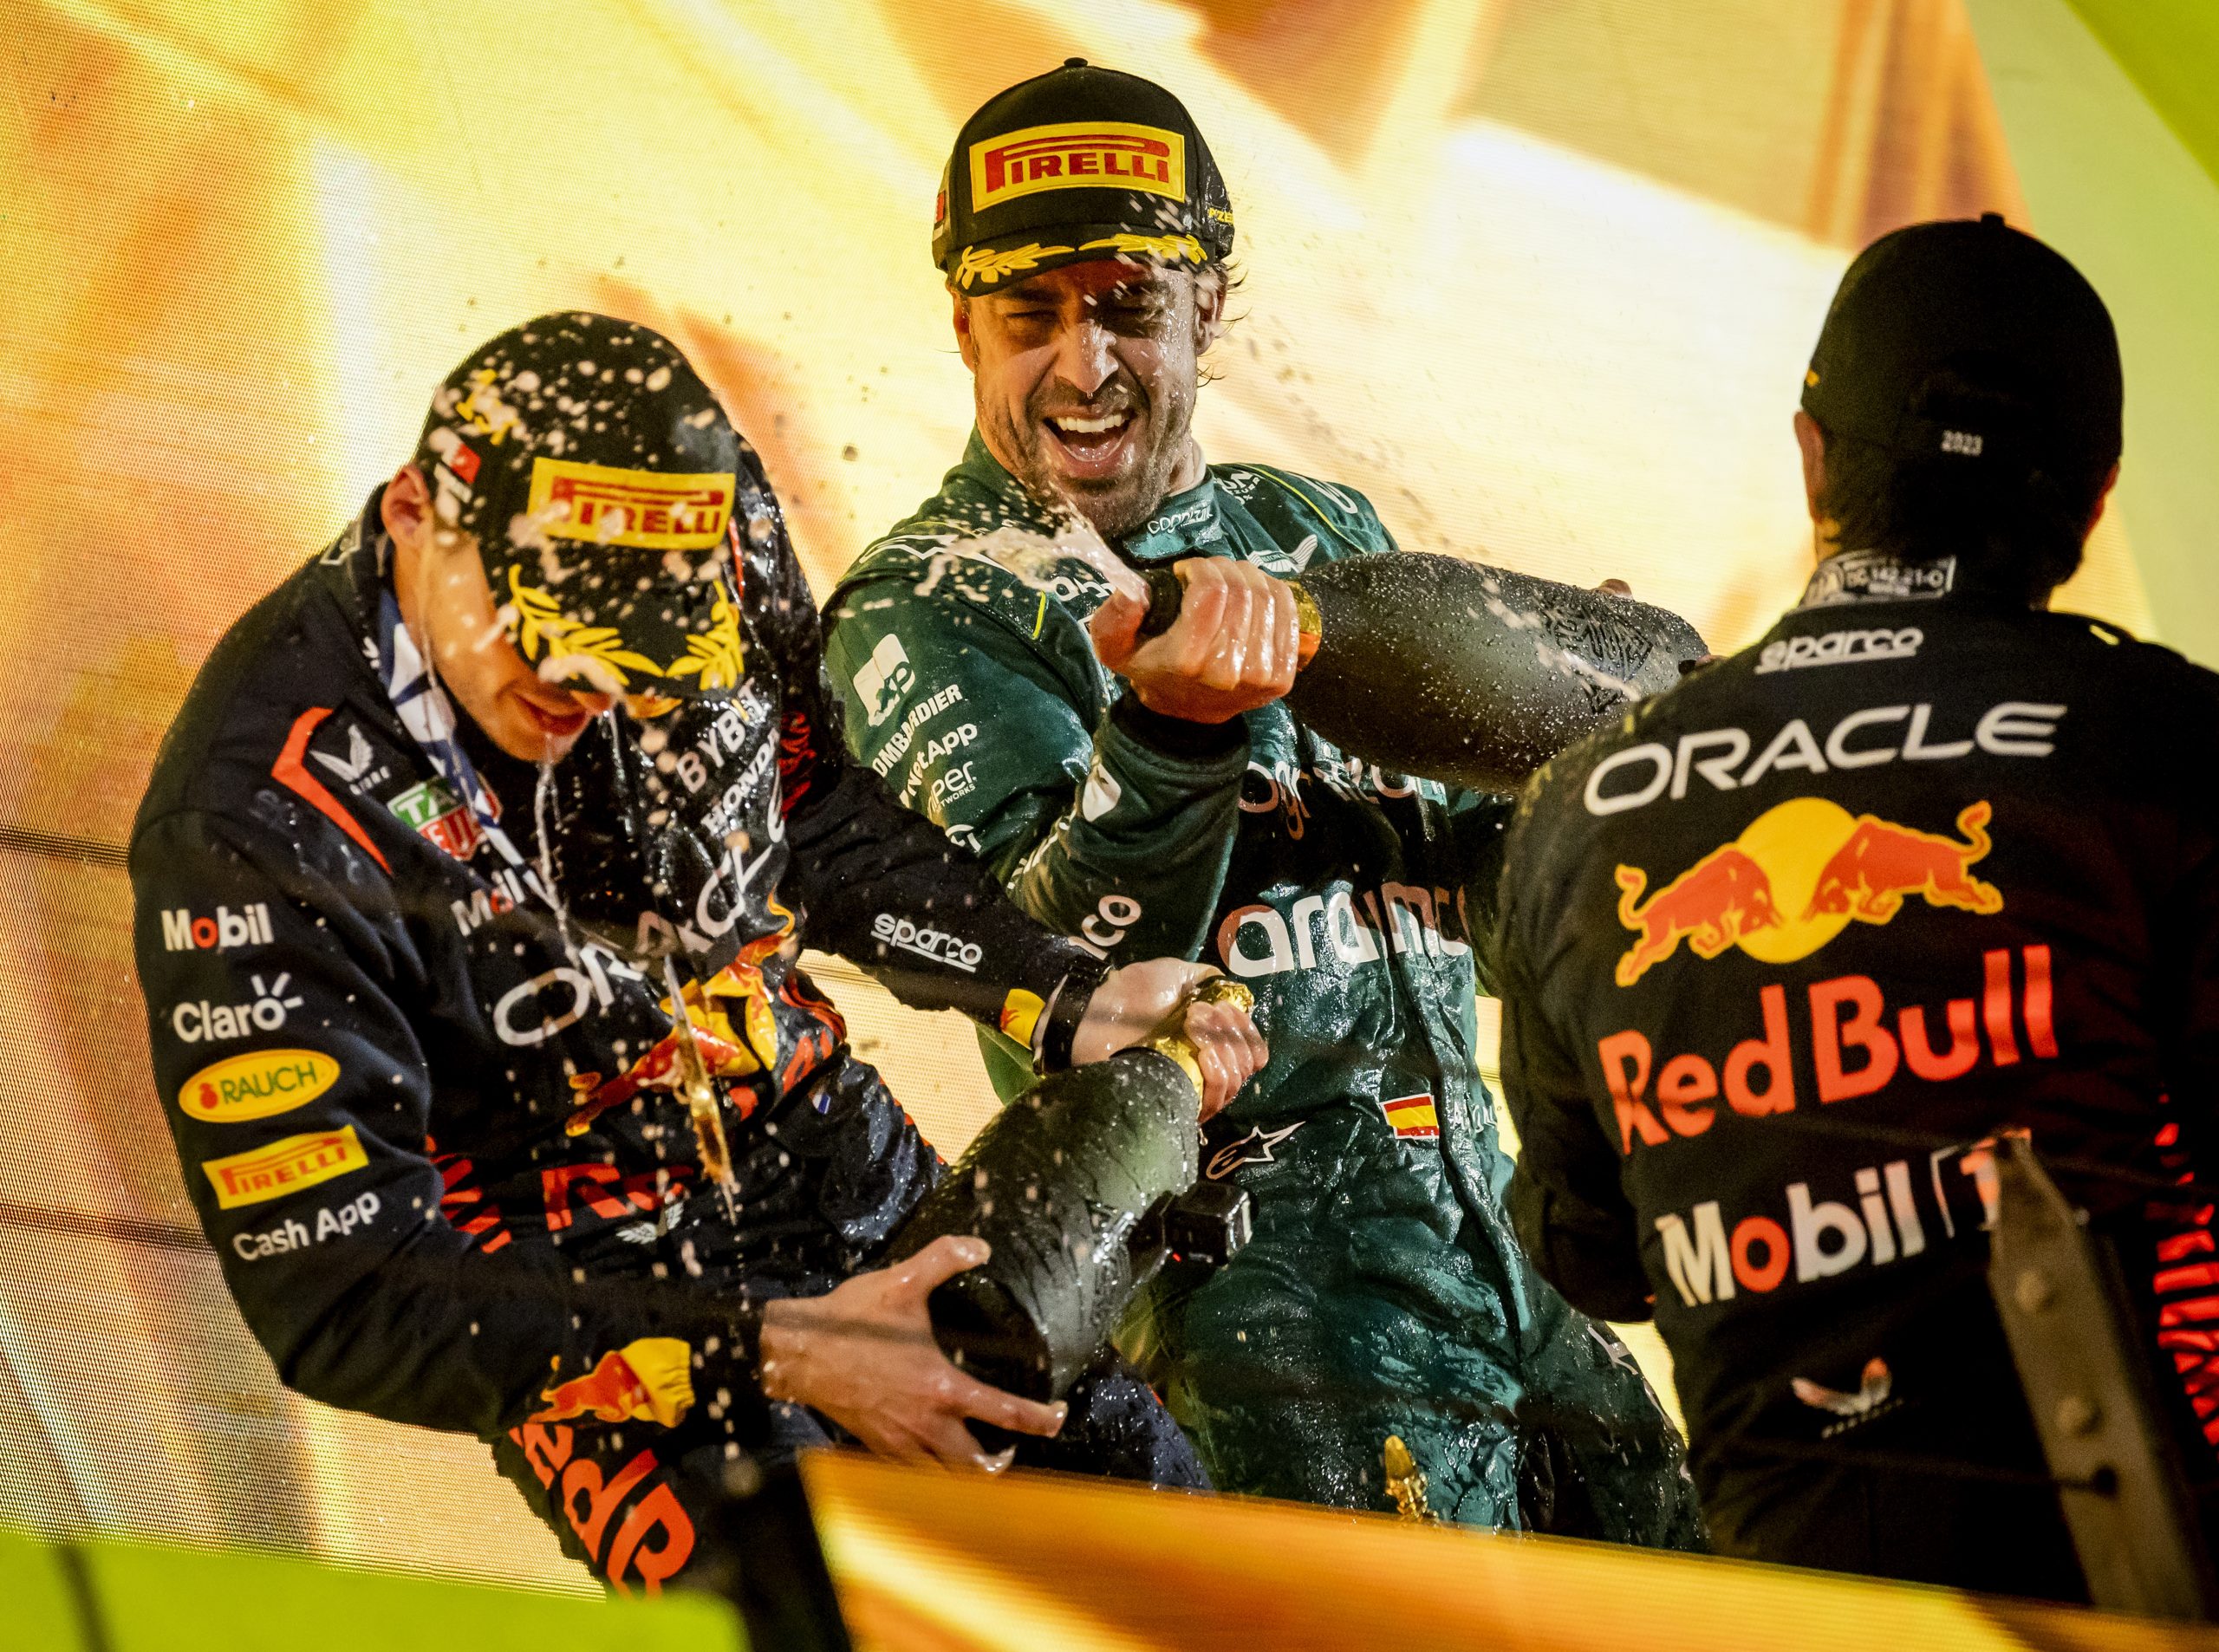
column 937, row 945
column 183, row 933
column 265, row 1012
column 1839, row 648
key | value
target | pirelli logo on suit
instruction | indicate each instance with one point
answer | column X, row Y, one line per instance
column 284, row 1167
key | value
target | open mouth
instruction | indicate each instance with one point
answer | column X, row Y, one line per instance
column 556, row 725
column 1091, row 445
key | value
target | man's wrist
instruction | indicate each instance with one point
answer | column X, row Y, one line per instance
column 1175, row 736
column 1067, row 1007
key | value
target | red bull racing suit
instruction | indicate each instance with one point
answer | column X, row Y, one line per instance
column 1780, row 954
column 427, row 1122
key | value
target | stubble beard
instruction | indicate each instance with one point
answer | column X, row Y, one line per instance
column 1118, row 507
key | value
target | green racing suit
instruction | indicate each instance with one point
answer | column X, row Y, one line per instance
column 1383, row 1292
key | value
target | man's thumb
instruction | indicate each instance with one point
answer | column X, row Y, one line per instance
column 1115, row 626
column 941, row 1260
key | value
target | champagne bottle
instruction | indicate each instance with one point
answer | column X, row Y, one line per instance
column 1462, row 672
column 1076, row 1186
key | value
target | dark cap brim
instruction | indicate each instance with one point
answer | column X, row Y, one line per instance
column 628, row 626
column 986, row 265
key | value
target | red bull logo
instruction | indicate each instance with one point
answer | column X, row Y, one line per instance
column 1801, row 874
column 647, row 1380
column 611, row 1392
column 1844, row 1034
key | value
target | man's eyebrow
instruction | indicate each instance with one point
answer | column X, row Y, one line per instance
column 1026, row 292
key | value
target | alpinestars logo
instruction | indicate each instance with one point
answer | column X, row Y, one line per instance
column 1259, row 1146
column 1870, row 1401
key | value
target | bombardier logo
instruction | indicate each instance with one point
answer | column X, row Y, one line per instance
column 183, row 932
column 1078, row 155
column 923, row 711
column 936, row 944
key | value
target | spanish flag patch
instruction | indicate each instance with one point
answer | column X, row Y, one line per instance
column 1412, row 1117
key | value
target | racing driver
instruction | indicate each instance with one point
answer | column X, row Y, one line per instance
column 432, row 1125
column 1783, row 953
column 1159, row 799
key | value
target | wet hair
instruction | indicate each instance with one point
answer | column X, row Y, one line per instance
column 2016, row 518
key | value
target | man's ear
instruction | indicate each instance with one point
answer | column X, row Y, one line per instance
column 2103, row 496
column 967, row 342
column 405, row 509
column 1209, row 310
column 1811, row 438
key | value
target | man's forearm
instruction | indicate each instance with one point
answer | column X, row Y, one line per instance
column 1135, row 866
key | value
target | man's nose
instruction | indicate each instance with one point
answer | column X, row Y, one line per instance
column 1084, row 356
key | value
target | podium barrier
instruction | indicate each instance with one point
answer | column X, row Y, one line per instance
column 107, row 1596
column 930, row 1562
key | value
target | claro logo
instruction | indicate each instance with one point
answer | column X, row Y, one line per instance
column 199, row 1019
column 257, row 1085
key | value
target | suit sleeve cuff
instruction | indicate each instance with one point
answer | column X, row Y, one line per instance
column 1175, row 736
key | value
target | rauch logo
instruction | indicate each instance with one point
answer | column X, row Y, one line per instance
column 257, row 1085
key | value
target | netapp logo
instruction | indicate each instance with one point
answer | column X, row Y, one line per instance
column 183, row 933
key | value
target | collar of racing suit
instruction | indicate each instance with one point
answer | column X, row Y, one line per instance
column 1883, row 576
column 412, row 690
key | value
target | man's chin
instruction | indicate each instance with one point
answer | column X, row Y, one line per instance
column 1113, row 506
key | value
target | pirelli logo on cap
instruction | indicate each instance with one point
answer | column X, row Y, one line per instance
column 1078, row 154
column 284, row 1167
column 605, row 504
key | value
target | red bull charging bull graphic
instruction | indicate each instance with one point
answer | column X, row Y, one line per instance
column 1799, row 875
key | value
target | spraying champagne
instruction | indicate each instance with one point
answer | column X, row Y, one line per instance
column 1084, row 1185
column 1459, row 671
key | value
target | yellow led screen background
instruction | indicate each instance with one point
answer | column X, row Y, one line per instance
column 1538, row 276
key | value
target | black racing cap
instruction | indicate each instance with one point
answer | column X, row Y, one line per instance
column 600, row 478
column 1969, row 340
column 1078, row 163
